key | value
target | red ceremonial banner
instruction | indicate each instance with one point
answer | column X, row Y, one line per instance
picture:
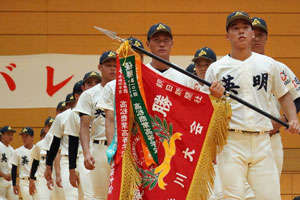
column 180, row 121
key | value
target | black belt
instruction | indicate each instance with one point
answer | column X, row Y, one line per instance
column 100, row 141
column 247, row 132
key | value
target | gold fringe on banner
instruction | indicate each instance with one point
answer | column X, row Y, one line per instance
column 203, row 179
column 131, row 178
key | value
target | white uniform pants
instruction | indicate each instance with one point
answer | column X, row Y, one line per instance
column 42, row 191
column 100, row 175
column 24, row 189
column 248, row 158
column 71, row 193
column 85, row 179
column 57, row 192
column 277, row 149
column 217, row 193
column 6, row 190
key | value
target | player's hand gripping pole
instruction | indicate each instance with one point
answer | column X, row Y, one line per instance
column 114, row 36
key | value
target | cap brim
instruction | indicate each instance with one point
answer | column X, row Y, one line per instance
column 112, row 57
column 196, row 58
column 160, row 30
column 25, row 134
column 13, row 131
column 243, row 17
column 48, row 123
column 92, row 77
column 261, row 27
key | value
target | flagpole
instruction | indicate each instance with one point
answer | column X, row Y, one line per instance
column 209, row 84
column 114, row 36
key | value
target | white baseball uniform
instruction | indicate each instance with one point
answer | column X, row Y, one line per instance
column 87, row 105
column 73, row 128
column 21, row 158
column 71, row 193
column 6, row 189
column 42, row 191
column 57, row 193
column 249, row 155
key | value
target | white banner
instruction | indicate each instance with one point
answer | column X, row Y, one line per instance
column 42, row 80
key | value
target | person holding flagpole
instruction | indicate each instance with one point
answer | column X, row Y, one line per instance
column 255, row 78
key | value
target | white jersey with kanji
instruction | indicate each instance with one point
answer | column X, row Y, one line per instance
column 172, row 75
column 39, row 154
column 6, row 153
column 21, row 158
column 253, row 80
column 87, row 105
column 106, row 99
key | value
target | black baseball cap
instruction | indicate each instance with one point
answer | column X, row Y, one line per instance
column 237, row 15
column 159, row 27
column 206, row 53
column 70, row 98
column 259, row 23
column 77, row 87
column 107, row 55
column 5, row 129
column 49, row 120
column 27, row 130
column 135, row 41
column 191, row 68
column 60, row 105
column 91, row 74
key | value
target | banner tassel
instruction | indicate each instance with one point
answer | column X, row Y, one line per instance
column 203, row 180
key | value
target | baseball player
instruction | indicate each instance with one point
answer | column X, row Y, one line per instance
column 38, row 158
column 57, row 192
column 20, row 159
column 60, row 139
column 6, row 152
column 106, row 103
column 203, row 58
column 258, row 45
column 61, row 107
column 191, row 68
column 160, row 42
column 72, row 129
column 95, row 158
column 252, row 77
